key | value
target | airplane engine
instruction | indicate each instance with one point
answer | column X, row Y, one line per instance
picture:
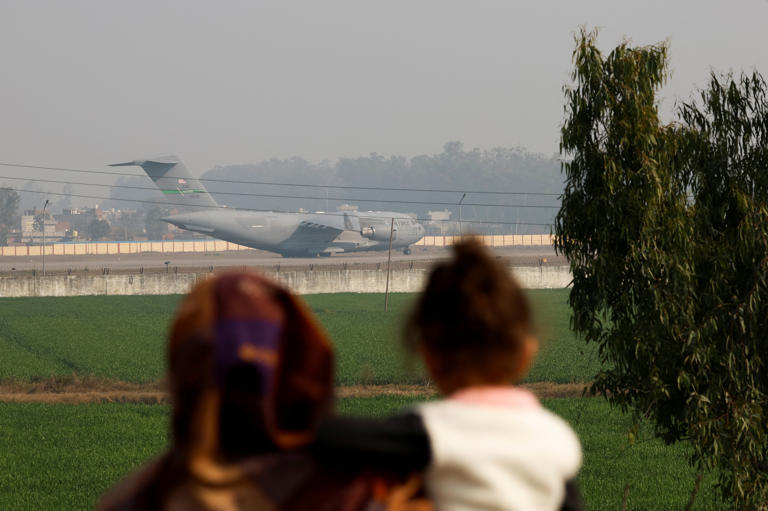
column 375, row 233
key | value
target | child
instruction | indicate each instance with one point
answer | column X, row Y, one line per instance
column 487, row 444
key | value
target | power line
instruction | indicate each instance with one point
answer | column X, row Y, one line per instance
column 276, row 196
column 324, row 213
column 271, row 183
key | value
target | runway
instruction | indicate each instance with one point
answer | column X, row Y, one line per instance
column 519, row 256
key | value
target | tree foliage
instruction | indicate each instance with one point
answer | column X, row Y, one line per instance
column 454, row 168
column 9, row 205
column 666, row 231
column 98, row 229
column 38, row 223
column 155, row 227
column 128, row 225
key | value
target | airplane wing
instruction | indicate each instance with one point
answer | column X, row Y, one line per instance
column 337, row 221
column 319, row 230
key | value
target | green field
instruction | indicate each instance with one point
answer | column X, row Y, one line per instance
column 123, row 338
column 64, row 456
column 56, row 456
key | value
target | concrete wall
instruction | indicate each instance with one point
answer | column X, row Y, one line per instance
column 302, row 282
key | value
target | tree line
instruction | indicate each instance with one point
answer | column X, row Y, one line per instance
column 455, row 168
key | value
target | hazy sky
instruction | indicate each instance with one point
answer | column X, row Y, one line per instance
column 85, row 83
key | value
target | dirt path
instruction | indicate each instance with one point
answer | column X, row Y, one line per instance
column 543, row 390
column 76, row 390
column 93, row 390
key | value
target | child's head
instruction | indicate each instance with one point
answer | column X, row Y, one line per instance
column 472, row 324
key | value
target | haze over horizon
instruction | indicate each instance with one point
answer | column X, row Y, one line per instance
column 88, row 83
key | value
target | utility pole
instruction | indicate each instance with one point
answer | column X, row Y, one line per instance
column 389, row 262
column 44, row 206
column 461, row 229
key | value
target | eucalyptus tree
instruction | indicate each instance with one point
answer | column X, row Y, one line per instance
column 666, row 231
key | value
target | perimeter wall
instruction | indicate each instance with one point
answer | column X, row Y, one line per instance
column 138, row 247
column 301, row 282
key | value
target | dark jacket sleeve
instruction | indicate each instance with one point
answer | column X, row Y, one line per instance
column 572, row 501
column 398, row 444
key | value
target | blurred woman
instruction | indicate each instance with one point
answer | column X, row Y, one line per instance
column 250, row 376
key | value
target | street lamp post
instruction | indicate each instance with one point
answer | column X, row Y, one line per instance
column 44, row 206
column 461, row 229
column 389, row 264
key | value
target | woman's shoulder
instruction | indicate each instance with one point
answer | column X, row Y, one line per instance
column 285, row 481
column 123, row 496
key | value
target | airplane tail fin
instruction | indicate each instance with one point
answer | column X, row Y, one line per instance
column 179, row 187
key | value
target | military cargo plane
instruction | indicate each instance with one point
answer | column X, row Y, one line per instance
column 288, row 234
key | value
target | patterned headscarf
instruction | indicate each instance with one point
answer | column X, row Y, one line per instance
column 254, row 346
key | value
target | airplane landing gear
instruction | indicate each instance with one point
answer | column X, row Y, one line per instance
column 407, row 251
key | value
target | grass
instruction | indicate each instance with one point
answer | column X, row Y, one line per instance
column 659, row 475
column 123, row 338
column 114, row 337
column 65, row 456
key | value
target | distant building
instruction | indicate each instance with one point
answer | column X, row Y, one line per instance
column 29, row 234
column 439, row 215
column 439, row 224
column 78, row 220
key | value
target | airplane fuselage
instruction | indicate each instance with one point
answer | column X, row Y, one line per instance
column 288, row 234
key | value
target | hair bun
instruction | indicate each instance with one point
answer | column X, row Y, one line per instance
column 471, row 257
column 470, row 249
